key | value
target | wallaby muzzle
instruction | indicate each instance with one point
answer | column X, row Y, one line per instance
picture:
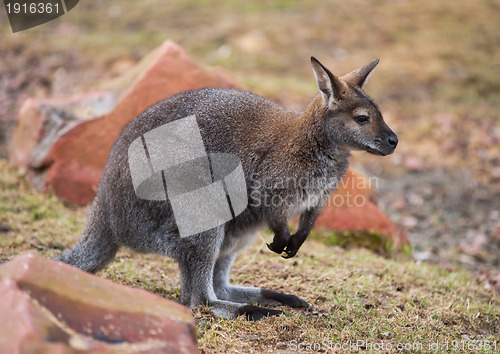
column 385, row 144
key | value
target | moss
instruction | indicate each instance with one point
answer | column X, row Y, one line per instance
column 370, row 240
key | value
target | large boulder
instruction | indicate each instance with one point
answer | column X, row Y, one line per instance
column 65, row 150
column 51, row 307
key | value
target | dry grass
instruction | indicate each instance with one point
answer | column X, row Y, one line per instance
column 355, row 295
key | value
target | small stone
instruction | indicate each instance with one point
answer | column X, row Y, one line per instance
column 281, row 345
column 5, row 228
column 399, row 204
column 410, row 222
column 414, row 163
column 495, row 173
column 422, row 255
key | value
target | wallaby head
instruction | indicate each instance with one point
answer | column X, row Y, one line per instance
column 352, row 118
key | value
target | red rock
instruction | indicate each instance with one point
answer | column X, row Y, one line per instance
column 353, row 208
column 50, row 307
column 71, row 162
column 40, row 121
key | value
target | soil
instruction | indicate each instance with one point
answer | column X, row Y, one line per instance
column 450, row 218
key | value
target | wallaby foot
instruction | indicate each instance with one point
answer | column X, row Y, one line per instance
column 248, row 295
column 255, row 313
column 203, row 293
column 231, row 310
column 284, row 299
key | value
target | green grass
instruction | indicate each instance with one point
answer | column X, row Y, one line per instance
column 355, row 294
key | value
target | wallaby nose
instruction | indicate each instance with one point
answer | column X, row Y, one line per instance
column 392, row 140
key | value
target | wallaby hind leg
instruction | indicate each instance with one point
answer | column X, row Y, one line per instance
column 196, row 263
column 248, row 295
column 96, row 248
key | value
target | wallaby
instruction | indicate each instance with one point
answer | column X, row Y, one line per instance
column 291, row 162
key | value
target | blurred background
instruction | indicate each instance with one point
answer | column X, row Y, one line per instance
column 438, row 86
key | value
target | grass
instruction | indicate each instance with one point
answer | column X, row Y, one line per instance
column 356, row 296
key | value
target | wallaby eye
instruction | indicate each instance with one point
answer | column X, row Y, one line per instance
column 362, row 120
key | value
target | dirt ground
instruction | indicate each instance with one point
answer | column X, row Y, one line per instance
column 438, row 86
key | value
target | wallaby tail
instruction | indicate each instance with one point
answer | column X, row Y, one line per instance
column 96, row 248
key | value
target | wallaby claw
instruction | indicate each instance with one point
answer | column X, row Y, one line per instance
column 289, row 253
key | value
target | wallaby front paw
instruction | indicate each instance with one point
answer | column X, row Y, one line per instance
column 291, row 249
column 275, row 247
column 294, row 245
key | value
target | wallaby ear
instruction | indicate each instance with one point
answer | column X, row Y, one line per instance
column 329, row 85
column 360, row 76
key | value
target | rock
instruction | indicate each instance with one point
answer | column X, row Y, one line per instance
column 353, row 208
column 281, row 345
column 66, row 152
column 41, row 121
column 422, row 255
column 495, row 173
column 51, row 307
column 490, row 280
column 476, row 246
column 410, row 222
